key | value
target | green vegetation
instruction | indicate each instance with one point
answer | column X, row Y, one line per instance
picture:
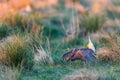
column 91, row 23
column 31, row 46
column 16, row 52
column 3, row 31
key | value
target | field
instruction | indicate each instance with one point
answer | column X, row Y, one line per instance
column 32, row 43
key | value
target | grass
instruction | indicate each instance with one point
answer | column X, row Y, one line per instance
column 94, row 74
column 62, row 70
column 16, row 52
column 43, row 56
column 110, row 50
column 10, row 73
column 91, row 23
column 3, row 31
column 36, row 43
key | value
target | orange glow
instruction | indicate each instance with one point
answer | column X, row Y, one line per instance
column 44, row 3
column 17, row 4
column 77, row 5
column 4, row 9
column 104, row 2
column 80, row 7
column 52, row 2
column 96, row 8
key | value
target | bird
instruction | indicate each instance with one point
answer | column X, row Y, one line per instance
column 86, row 55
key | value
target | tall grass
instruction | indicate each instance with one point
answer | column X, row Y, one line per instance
column 110, row 50
column 81, row 25
column 73, row 29
column 23, row 24
column 3, row 31
column 91, row 23
column 41, row 49
column 43, row 56
column 17, row 53
column 8, row 73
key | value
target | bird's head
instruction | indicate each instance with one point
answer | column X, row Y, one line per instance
column 73, row 55
column 90, row 45
column 69, row 56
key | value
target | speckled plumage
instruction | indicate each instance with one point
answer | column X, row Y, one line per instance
column 83, row 54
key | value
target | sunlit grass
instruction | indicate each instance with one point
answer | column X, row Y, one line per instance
column 110, row 47
column 43, row 56
column 15, row 52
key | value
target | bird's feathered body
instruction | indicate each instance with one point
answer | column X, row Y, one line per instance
column 83, row 54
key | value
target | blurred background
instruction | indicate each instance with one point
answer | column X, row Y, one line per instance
column 66, row 12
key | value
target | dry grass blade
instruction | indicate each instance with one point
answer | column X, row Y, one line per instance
column 43, row 56
column 14, row 52
column 111, row 52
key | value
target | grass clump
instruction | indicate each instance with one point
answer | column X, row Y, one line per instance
column 110, row 50
column 23, row 24
column 91, row 23
column 43, row 56
column 16, row 52
column 3, row 31
column 8, row 73
column 15, row 21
